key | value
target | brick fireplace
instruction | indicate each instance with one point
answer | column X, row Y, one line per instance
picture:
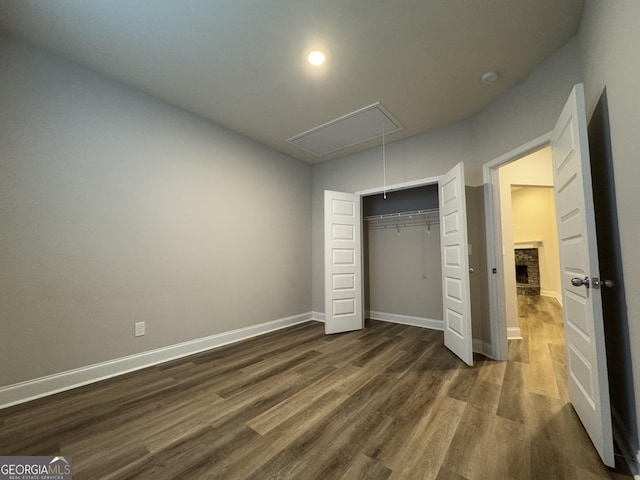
column 527, row 271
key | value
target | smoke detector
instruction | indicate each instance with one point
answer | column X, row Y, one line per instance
column 489, row 77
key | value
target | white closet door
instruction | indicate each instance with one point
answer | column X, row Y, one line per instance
column 582, row 306
column 342, row 263
column 455, row 264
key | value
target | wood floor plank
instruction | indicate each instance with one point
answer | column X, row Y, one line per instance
column 490, row 371
column 304, row 453
column 513, row 396
column 445, row 474
column 412, row 355
column 276, row 440
column 469, row 443
column 279, row 413
column 424, row 451
column 542, row 378
column 558, row 357
column 506, row 454
column 364, row 468
column 462, row 384
column 339, row 451
column 519, row 350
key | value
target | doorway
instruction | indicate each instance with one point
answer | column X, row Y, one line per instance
column 401, row 257
column 529, row 234
column 503, row 307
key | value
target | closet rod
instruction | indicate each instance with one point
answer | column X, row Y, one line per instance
column 402, row 225
column 399, row 220
column 389, row 216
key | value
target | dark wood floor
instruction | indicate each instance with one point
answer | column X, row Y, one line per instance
column 386, row 402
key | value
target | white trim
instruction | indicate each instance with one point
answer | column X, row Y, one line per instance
column 514, row 333
column 407, row 320
column 552, row 294
column 518, row 152
column 497, row 309
column 317, row 316
column 349, row 116
column 482, row 347
column 399, row 186
column 526, row 245
column 59, row 382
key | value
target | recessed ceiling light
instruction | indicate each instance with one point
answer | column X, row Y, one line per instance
column 316, row 58
column 489, row 77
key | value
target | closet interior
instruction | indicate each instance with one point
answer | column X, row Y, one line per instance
column 402, row 263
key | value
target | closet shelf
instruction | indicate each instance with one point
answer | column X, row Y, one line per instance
column 404, row 219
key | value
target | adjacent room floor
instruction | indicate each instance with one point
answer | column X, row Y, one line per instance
column 386, row 402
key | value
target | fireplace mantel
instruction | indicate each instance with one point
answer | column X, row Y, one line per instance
column 529, row 244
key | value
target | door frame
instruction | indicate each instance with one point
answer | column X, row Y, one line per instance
column 421, row 182
column 493, row 227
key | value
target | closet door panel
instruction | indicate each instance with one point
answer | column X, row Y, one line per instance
column 343, row 262
column 455, row 264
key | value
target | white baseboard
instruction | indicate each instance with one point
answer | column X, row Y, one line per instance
column 59, row 382
column 407, row 320
column 482, row 347
column 549, row 293
column 392, row 318
column 514, row 333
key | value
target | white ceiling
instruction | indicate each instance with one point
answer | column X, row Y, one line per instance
column 241, row 63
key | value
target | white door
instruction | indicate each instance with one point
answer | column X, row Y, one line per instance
column 342, row 263
column 455, row 264
column 582, row 306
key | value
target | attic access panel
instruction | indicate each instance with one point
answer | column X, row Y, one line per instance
column 348, row 130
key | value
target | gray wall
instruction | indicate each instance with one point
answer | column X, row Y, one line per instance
column 117, row 208
column 410, row 259
column 478, row 286
column 528, row 110
column 609, row 41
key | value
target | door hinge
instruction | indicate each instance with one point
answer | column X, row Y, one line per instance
column 600, row 282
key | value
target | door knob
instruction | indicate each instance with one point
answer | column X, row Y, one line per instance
column 578, row 282
column 471, row 270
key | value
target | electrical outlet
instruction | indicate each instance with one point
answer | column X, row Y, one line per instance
column 139, row 329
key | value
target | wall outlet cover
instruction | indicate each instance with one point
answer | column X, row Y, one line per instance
column 139, row 329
